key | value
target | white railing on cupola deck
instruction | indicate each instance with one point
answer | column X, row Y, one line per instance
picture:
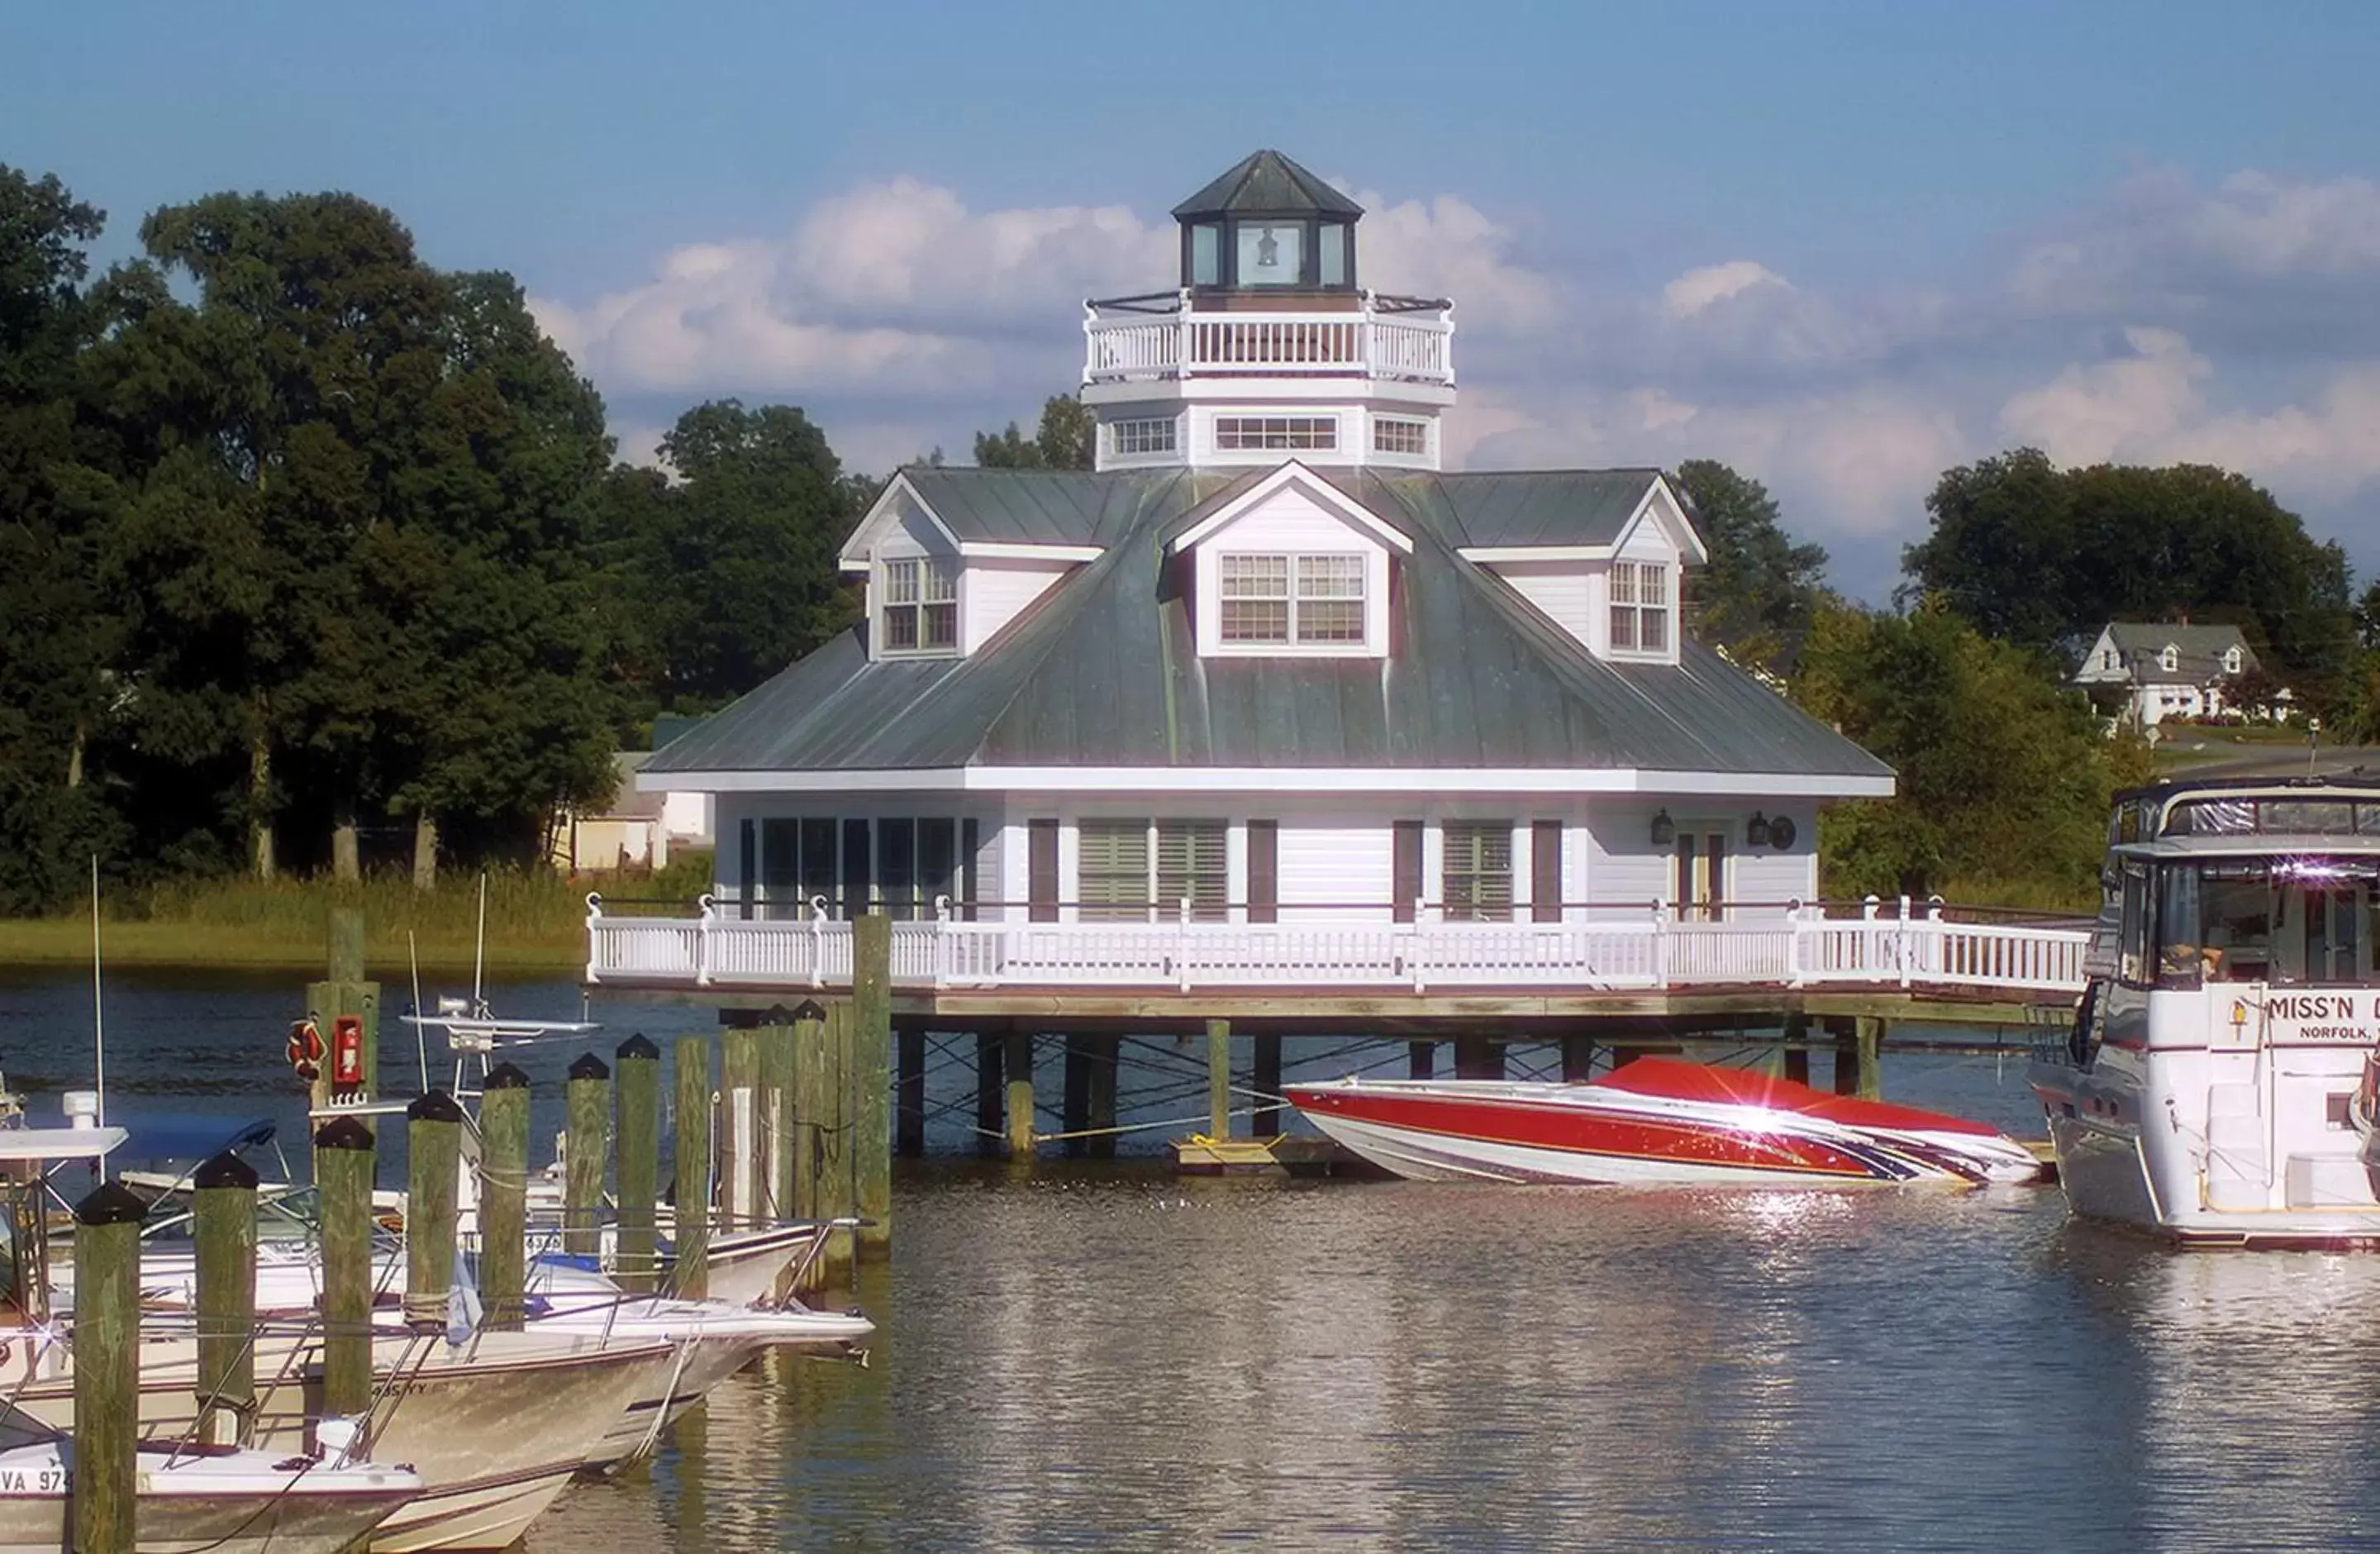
column 1162, row 338
column 1919, row 948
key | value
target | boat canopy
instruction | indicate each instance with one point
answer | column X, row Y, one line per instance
column 20, row 1144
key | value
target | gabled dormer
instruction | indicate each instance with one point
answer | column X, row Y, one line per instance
column 940, row 584
column 1605, row 560
column 1290, row 568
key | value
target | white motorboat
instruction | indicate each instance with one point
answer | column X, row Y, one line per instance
column 2221, row 1083
column 193, row 1498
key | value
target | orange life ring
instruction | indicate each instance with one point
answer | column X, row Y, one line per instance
column 305, row 1050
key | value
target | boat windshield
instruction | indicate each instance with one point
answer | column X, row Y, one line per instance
column 2300, row 920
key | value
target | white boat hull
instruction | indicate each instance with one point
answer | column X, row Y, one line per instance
column 236, row 1505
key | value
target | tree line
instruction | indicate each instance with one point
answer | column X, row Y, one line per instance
column 302, row 540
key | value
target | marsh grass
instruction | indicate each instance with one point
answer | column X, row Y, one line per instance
column 536, row 921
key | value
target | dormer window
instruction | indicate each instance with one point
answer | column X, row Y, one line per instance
column 1307, row 600
column 2171, row 659
column 920, row 606
column 1639, row 607
column 2231, row 661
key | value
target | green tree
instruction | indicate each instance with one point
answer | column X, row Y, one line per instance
column 2039, row 555
column 2004, row 775
column 1758, row 593
column 53, row 620
column 1068, row 439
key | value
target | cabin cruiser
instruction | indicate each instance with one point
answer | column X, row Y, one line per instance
column 1656, row 1119
column 2221, row 1083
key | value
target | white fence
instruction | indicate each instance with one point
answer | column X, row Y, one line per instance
column 1139, row 346
column 1798, row 947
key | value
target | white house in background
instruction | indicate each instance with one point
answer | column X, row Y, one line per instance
column 1265, row 678
column 629, row 830
column 2167, row 671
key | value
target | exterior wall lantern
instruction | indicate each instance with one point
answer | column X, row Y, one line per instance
column 1664, row 829
column 1755, row 831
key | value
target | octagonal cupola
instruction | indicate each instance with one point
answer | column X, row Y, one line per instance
column 1268, row 225
column 1267, row 349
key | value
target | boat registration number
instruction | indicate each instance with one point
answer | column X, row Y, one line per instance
column 34, row 1481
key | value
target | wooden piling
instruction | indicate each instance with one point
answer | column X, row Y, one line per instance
column 1100, row 1083
column 1267, row 1084
column 107, row 1369
column 636, row 1072
column 1219, row 1079
column 433, row 1142
column 1017, row 1064
column 690, row 1160
column 346, row 991
column 811, row 1107
column 871, row 1120
column 1477, row 1057
column 777, row 1121
column 1577, row 1059
column 223, row 1224
column 830, row 1133
column 587, row 1105
column 344, row 1163
column 991, row 1090
column 1421, row 1059
column 740, row 1152
column 1796, row 1035
column 1868, row 1042
column 910, row 1108
column 503, row 1195
column 1074, row 1110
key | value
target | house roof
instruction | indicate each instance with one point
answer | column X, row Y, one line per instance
column 1266, row 183
column 1103, row 671
column 2199, row 651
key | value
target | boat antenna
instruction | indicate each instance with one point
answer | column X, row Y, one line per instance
column 420, row 1032
column 98, row 1021
column 479, row 948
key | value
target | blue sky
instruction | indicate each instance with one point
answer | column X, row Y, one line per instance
column 1839, row 245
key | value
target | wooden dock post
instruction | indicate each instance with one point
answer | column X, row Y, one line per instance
column 587, row 1105
column 1100, row 1084
column 990, row 1091
column 777, row 1119
column 871, row 1035
column 810, row 1105
column 433, row 1142
column 1797, row 1055
column 909, row 1110
column 1867, row 1036
column 830, row 1133
column 345, row 992
column 1267, row 1084
column 106, row 1369
column 1421, row 1059
column 1017, row 1063
column 344, row 1163
column 223, row 1224
column 503, row 1195
column 636, row 1091
column 1478, row 1057
column 1577, row 1059
column 690, row 1162
column 1219, row 1079
column 740, row 1155
column 1074, row 1110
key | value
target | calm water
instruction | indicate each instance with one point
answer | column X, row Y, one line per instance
column 1110, row 1358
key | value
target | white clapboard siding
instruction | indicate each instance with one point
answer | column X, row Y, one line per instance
column 1329, row 865
column 1623, row 867
column 1558, row 589
column 996, row 591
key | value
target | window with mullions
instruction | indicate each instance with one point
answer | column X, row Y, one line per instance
column 1305, row 599
column 1153, row 435
column 1280, row 433
column 1139, row 870
column 1392, row 435
column 1639, row 607
column 920, row 606
column 1479, row 871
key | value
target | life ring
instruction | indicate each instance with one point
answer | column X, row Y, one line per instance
column 305, row 1050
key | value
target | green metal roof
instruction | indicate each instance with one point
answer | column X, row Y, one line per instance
column 1104, row 669
column 1266, row 183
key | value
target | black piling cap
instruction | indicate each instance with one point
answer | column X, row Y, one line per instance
column 811, row 1009
column 504, row 1077
column 586, row 1065
column 637, row 1047
column 433, row 1105
column 226, row 1170
column 110, row 1203
column 343, row 1133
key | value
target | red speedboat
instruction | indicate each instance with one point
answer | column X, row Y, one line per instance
column 1656, row 1119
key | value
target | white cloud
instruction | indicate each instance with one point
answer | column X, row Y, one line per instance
column 1698, row 290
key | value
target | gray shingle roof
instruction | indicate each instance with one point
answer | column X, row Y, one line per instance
column 1104, row 669
column 2198, row 651
column 1266, row 183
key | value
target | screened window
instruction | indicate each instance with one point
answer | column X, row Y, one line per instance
column 2303, row 921
column 921, row 605
column 1287, row 434
column 1151, row 435
column 1310, row 599
column 1334, row 254
column 1478, row 873
column 1137, row 871
column 1206, row 255
column 1391, row 435
column 1639, row 607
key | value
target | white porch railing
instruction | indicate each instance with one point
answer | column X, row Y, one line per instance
column 1799, row 946
column 1159, row 338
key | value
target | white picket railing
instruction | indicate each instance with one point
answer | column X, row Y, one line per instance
column 1801, row 946
column 1136, row 345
